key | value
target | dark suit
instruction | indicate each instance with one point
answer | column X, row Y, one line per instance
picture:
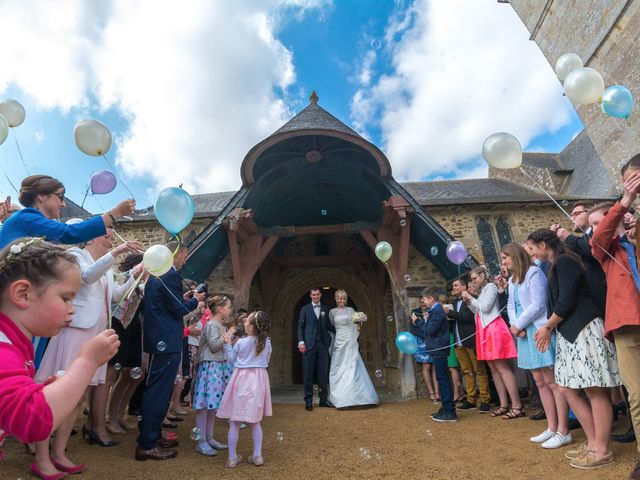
column 163, row 328
column 595, row 275
column 314, row 332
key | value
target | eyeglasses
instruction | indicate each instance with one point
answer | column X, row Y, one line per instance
column 60, row 196
column 575, row 214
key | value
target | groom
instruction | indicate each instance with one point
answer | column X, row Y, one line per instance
column 313, row 343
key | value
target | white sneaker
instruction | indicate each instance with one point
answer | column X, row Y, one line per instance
column 543, row 437
column 558, row 440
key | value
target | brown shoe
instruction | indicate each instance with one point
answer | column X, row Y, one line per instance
column 168, row 443
column 154, row 454
column 635, row 473
column 589, row 460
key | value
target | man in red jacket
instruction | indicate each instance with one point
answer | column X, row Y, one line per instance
column 619, row 260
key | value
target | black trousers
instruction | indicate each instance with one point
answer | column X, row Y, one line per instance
column 163, row 369
column 316, row 361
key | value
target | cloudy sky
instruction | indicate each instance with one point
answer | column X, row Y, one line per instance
column 188, row 88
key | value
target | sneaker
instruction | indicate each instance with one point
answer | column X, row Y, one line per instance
column 444, row 417
column 589, row 460
column 576, row 452
column 484, row 408
column 543, row 437
column 206, row 450
column 466, row 406
column 558, row 440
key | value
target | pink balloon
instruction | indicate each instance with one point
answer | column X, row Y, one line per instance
column 103, row 181
column 456, row 252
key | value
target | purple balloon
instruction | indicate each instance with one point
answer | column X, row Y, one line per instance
column 456, row 252
column 103, row 181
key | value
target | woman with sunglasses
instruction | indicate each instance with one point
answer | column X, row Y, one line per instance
column 43, row 197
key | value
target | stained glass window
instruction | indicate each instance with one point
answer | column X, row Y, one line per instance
column 504, row 231
column 488, row 245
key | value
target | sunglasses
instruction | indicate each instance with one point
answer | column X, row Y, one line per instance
column 60, row 196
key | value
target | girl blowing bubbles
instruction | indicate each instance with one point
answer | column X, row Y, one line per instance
column 248, row 395
column 212, row 373
column 38, row 281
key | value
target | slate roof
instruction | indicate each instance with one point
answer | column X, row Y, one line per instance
column 542, row 160
column 589, row 175
column 73, row 210
column 314, row 117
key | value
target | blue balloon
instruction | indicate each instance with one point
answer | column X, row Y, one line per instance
column 617, row 101
column 406, row 343
column 174, row 209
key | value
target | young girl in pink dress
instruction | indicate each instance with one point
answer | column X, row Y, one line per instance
column 248, row 396
column 38, row 283
column 494, row 343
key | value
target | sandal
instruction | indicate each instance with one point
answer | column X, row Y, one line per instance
column 500, row 411
column 514, row 413
column 433, row 397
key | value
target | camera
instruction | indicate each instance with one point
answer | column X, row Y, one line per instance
column 202, row 288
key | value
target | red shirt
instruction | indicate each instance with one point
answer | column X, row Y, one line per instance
column 24, row 412
column 623, row 299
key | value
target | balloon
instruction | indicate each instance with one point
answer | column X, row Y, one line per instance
column 4, row 129
column 566, row 63
column 502, row 150
column 92, row 137
column 103, row 181
column 584, row 86
column 174, row 209
column 13, row 112
column 406, row 343
column 74, row 221
column 383, row 251
column 456, row 252
column 617, row 101
column 157, row 260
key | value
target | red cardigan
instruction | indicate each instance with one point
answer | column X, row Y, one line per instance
column 24, row 412
column 623, row 299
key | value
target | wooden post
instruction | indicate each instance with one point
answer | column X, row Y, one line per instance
column 395, row 229
column 248, row 250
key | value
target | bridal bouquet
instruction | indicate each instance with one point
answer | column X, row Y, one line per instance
column 359, row 318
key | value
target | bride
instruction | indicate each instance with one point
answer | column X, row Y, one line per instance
column 349, row 382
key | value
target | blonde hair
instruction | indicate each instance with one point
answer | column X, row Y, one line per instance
column 520, row 261
column 341, row 292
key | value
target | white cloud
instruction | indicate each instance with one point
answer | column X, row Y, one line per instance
column 460, row 71
column 199, row 83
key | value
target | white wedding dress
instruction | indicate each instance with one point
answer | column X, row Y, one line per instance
column 349, row 382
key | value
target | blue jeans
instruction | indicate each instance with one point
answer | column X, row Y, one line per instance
column 444, row 382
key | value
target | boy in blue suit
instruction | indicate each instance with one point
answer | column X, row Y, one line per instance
column 434, row 329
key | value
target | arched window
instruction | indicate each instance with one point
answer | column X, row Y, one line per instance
column 488, row 245
column 504, row 231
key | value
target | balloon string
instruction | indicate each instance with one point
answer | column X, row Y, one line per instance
column 129, row 291
column 10, row 182
column 569, row 217
column 20, row 153
column 115, row 172
column 174, row 297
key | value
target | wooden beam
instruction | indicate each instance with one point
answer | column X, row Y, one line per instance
column 321, row 260
column 293, row 231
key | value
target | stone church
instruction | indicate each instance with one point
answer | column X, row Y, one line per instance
column 316, row 197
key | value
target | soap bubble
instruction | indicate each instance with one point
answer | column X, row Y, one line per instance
column 323, row 213
column 379, row 373
column 279, row 436
column 161, row 346
column 364, row 453
column 429, row 433
column 505, row 91
column 434, row 251
column 403, row 222
column 389, row 319
column 117, row 367
column 564, row 203
column 195, row 434
column 407, row 278
column 136, row 373
column 376, row 44
column 139, row 418
column 60, row 373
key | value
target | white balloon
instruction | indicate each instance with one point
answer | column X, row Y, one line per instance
column 13, row 112
column 92, row 137
column 502, row 150
column 567, row 63
column 584, row 86
column 157, row 260
column 4, row 129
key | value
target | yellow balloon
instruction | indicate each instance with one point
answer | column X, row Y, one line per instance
column 92, row 137
column 157, row 260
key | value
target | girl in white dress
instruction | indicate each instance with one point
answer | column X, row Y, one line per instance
column 349, row 382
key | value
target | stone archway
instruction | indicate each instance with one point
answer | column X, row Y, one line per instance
column 291, row 290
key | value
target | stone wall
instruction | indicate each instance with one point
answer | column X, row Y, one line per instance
column 605, row 34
